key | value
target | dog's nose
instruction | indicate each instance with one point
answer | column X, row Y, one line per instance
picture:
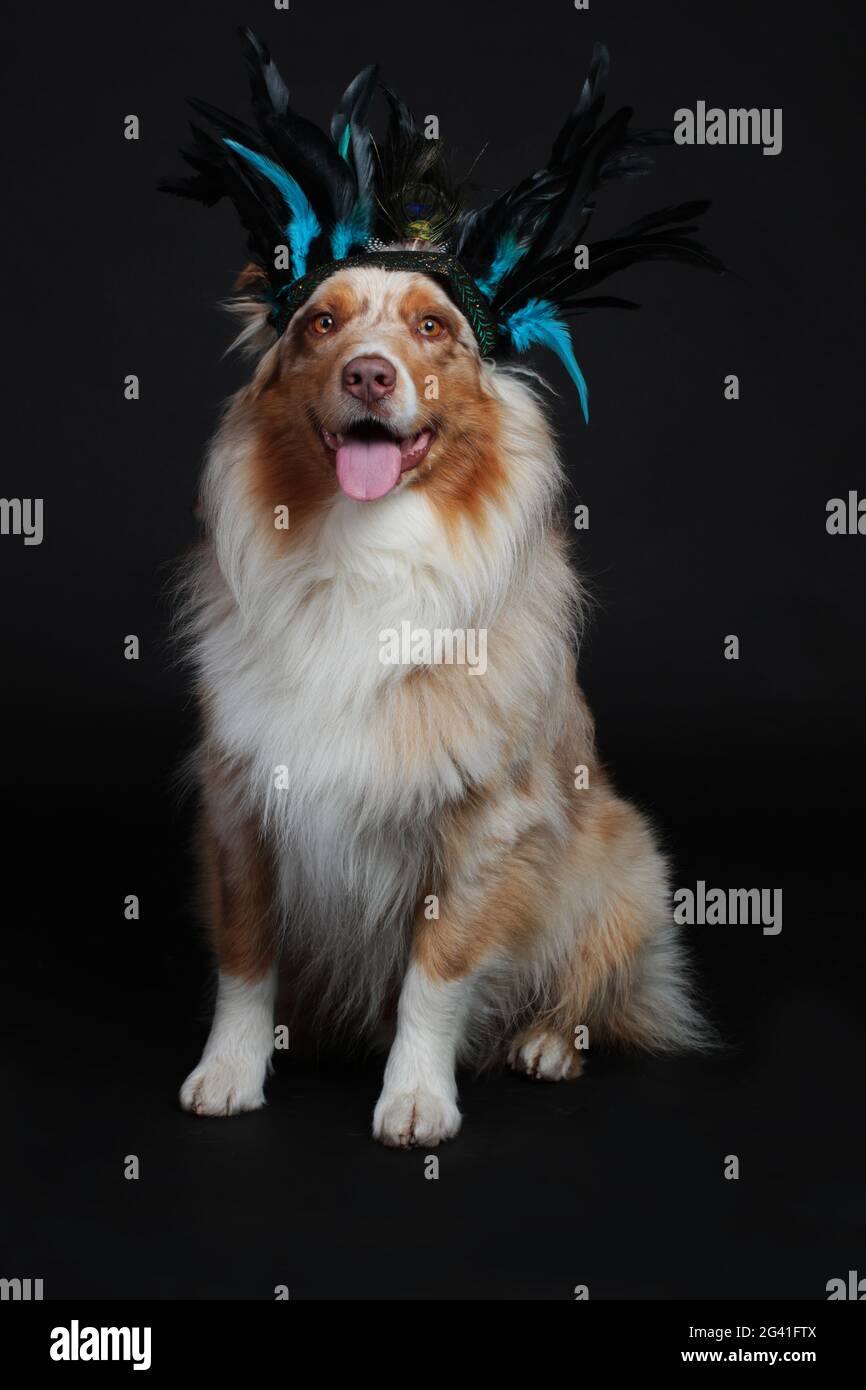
column 369, row 379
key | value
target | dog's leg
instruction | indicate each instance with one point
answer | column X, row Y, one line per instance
column 230, row 1076
column 488, row 917
column 418, row 1104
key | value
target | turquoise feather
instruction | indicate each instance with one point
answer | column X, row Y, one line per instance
column 538, row 322
column 353, row 230
column 508, row 253
column 304, row 226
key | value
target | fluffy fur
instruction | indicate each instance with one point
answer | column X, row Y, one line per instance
column 407, row 830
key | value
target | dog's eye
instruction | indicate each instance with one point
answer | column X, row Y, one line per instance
column 431, row 327
column 321, row 324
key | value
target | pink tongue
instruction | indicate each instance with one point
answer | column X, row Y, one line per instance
column 366, row 470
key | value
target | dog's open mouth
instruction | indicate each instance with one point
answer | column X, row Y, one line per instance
column 370, row 458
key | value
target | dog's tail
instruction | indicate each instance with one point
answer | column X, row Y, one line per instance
column 650, row 1003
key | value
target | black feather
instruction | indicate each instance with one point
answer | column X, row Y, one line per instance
column 352, row 112
column 270, row 95
column 586, row 112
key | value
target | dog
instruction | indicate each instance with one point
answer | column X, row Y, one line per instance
column 415, row 828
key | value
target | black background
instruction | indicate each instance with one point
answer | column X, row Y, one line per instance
column 707, row 518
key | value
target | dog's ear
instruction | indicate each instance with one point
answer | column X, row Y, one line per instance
column 250, row 306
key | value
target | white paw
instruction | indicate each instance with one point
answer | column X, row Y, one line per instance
column 403, row 1118
column 545, row 1056
column 223, row 1085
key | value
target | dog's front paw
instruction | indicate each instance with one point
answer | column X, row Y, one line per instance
column 545, row 1056
column 223, row 1086
column 404, row 1118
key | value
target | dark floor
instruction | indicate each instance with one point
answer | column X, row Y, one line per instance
column 615, row 1181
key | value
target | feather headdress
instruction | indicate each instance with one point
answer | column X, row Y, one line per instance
column 313, row 202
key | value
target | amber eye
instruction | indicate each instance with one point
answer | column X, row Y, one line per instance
column 430, row 327
column 321, row 324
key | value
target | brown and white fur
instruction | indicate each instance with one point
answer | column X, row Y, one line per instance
column 407, row 785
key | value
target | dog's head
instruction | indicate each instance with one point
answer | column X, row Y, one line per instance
column 377, row 385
